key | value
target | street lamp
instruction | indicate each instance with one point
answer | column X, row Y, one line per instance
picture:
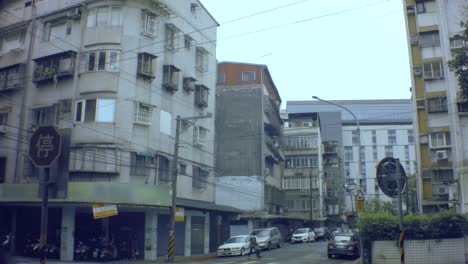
column 358, row 131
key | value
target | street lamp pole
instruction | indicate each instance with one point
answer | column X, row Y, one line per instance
column 358, row 130
column 174, row 174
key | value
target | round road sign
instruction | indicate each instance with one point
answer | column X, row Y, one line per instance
column 387, row 177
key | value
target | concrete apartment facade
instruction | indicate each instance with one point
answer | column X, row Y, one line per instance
column 111, row 76
column 249, row 159
column 386, row 130
column 440, row 107
column 302, row 180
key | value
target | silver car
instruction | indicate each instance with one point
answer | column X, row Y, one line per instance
column 267, row 238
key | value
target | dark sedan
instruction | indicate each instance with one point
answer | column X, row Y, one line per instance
column 343, row 245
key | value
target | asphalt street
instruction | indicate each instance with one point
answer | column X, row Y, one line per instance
column 310, row 253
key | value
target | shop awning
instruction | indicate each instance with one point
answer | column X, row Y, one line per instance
column 183, row 202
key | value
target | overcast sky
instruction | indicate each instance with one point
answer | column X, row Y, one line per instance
column 358, row 53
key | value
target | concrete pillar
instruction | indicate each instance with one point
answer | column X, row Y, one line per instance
column 207, row 233
column 151, row 227
column 66, row 235
column 188, row 234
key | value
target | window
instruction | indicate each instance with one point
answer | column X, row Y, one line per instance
column 201, row 59
column 171, row 78
column 45, row 116
column 406, row 152
column 165, row 122
column 425, row 7
column 433, row 70
column 300, row 142
column 146, row 65
column 410, row 136
column 440, row 139
column 199, row 177
column 12, row 41
column 363, row 153
column 182, row 169
column 11, row 77
column 59, row 65
column 429, row 39
column 201, row 96
column 457, row 41
column 302, row 183
column 199, row 135
column 355, row 137
column 438, row 104
column 388, row 151
column 104, row 160
column 95, row 110
column 374, row 137
column 348, row 153
column 374, row 153
column 347, row 169
column 143, row 113
column 104, row 16
column 171, row 37
column 103, row 61
column 164, row 171
column 363, row 168
column 248, row 76
column 301, row 162
column 140, row 164
column 188, row 42
column 149, row 23
column 56, row 30
column 392, row 137
column 221, row 77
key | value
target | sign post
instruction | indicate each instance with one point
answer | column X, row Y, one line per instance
column 44, row 149
column 391, row 178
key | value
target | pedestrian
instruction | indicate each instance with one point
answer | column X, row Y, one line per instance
column 254, row 247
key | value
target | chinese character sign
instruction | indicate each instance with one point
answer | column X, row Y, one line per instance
column 44, row 147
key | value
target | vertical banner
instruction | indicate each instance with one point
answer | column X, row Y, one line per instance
column 179, row 214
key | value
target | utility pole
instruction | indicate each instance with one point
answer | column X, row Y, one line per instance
column 174, row 172
column 400, row 212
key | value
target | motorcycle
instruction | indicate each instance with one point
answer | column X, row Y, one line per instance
column 5, row 249
column 82, row 251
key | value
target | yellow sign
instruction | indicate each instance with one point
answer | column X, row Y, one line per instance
column 360, row 205
column 104, row 210
column 179, row 214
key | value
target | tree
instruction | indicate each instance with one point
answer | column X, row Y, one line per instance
column 411, row 197
column 459, row 63
column 375, row 205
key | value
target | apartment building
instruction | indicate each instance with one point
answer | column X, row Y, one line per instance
column 386, row 130
column 248, row 130
column 439, row 105
column 302, row 181
column 112, row 77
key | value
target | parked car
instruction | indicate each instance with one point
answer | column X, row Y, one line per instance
column 320, row 233
column 303, row 235
column 268, row 237
column 235, row 245
column 343, row 244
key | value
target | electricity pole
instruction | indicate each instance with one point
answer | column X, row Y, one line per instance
column 174, row 173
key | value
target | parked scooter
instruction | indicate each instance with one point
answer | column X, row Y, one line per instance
column 5, row 249
column 82, row 251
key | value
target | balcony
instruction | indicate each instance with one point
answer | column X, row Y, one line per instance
column 274, row 147
column 11, row 78
column 54, row 67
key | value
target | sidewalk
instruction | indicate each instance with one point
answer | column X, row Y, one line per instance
column 177, row 259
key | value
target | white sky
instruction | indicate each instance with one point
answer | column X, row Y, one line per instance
column 360, row 54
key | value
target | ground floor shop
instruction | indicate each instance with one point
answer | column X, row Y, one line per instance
column 136, row 232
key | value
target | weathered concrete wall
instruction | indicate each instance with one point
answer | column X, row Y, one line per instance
column 243, row 192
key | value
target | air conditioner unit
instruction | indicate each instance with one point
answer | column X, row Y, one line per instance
column 410, row 9
column 441, row 190
column 414, row 40
column 417, row 71
column 74, row 13
column 441, row 154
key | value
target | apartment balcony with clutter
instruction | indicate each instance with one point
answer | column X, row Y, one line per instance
column 12, row 77
column 273, row 145
column 54, row 67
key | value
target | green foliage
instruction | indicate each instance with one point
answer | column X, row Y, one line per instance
column 375, row 205
column 416, row 226
column 447, row 224
column 459, row 63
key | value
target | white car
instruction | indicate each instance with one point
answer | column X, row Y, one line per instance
column 235, row 245
column 303, row 235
